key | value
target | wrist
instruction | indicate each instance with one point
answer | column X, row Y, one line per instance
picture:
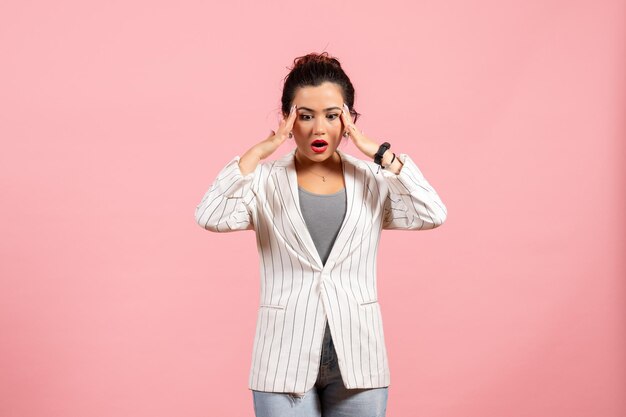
column 370, row 149
column 379, row 156
column 387, row 157
column 256, row 152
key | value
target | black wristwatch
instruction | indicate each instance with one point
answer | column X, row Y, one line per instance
column 378, row 158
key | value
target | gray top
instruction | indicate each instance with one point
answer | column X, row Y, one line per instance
column 323, row 215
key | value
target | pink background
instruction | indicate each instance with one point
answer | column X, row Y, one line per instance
column 115, row 118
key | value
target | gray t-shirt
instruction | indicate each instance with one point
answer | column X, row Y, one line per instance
column 323, row 215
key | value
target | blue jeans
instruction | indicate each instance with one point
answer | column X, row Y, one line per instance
column 328, row 398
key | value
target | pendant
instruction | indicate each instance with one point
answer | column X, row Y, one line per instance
column 323, row 178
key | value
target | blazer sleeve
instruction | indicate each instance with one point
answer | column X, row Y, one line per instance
column 411, row 203
column 229, row 203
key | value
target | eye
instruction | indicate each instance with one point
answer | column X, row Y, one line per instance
column 332, row 116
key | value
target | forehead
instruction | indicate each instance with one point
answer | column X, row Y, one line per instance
column 319, row 97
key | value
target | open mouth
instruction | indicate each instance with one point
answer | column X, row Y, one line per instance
column 319, row 145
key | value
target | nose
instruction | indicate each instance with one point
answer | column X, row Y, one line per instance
column 318, row 128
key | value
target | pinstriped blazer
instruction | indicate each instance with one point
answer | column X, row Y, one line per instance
column 299, row 294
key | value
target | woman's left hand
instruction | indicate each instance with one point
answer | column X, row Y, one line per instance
column 365, row 144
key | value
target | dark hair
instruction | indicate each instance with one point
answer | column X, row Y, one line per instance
column 312, row 70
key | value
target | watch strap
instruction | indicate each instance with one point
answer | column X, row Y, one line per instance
column 379, row 154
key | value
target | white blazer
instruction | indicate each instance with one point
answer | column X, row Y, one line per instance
column 298, row 293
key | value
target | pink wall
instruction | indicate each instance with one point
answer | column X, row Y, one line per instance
column 116, row 116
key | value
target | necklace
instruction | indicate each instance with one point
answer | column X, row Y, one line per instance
column 323, row 176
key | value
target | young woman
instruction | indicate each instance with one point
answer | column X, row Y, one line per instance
column 318, row 212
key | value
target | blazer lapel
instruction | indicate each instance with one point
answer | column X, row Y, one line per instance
column 355, row 180
column 286, row 180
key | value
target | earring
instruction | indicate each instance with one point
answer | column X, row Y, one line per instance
column 290, row 135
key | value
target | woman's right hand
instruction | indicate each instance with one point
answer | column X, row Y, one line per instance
column 249, row 160
column 275, row 139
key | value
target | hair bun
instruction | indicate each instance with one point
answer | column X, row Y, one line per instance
column 314, row 58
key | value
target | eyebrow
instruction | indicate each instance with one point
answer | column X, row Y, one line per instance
column 326, row 109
